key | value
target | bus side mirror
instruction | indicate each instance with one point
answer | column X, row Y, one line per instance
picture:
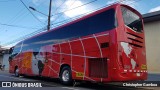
column 10, row 58
column 10, row 50
column 10, row 54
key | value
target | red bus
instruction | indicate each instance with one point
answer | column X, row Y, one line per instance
column 107, row 45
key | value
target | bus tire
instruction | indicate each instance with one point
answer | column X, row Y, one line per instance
column 66, row 76
column 16, row 72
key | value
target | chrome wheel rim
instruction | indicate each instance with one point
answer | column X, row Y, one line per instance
column 65, row 75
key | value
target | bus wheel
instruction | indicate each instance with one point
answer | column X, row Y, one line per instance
column 16, row 73
column 66, row 76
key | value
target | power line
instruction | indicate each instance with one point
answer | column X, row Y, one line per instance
column 16, row 16
column 6, row 0
column 39, row 31
column 60, row 5
column 62, row 13
column 75, row 7
column 72, row 9
column 17, row 26
column 30, row 12
column 24, row 37
column 72, row 18
column 76, row 17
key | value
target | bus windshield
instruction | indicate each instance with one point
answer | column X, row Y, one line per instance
column 131, row 19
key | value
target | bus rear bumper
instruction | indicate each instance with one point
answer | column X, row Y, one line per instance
column 122, row 77
column 130, row 76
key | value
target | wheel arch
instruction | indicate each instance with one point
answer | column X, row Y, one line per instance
column 62, row 66
column 15, row 68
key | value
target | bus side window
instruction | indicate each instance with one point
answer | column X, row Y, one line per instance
column 10, row 53
column 15, row 51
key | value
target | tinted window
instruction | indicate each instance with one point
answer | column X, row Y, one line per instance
column 98, row 23
column 131, row 19
column 102, row 22
column 16, row 50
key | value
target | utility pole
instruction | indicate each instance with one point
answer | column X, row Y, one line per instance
column 49, row 16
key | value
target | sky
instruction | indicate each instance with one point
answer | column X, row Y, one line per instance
column 17, row 22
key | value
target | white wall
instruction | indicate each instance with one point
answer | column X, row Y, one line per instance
column 152, row 38
column 5, row 61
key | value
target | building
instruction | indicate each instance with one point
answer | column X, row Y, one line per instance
column 1, row 54
column 4, row 56
column 152, row 40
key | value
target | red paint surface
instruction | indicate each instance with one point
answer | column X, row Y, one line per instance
column 77, row 52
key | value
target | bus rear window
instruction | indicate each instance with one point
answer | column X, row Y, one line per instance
column 131, row 19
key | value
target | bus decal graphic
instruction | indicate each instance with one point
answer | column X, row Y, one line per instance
column 38, row 62
column 26, row 62
column 128, row 50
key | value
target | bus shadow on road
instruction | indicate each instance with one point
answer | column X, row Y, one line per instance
column 100, row 86
column 52, row 82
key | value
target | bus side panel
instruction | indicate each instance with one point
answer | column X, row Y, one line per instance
column 50, row 61
column 12, row 65
column 104, row 43
column 91, row 50
column 21, row 71
column 78, row 60
column 65, row 53
column 55, row 60
column 45, row 52
column 113, row 55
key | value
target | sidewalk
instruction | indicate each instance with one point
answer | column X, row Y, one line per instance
column 4, row 72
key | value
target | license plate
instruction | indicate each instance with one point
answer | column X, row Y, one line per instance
column 138, row 74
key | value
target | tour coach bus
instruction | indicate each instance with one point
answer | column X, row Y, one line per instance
column 107, row 45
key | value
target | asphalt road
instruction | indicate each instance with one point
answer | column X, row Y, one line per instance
column 54, row 84
column 153, row 77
